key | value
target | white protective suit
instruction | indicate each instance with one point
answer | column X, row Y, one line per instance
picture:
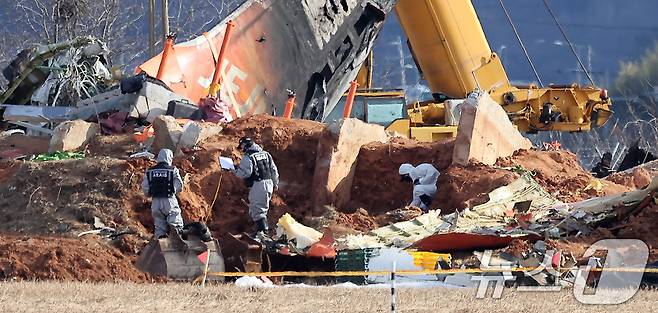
column 424, row 177
column 165, row 211
column 260, row 193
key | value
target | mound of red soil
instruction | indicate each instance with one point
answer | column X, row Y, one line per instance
column 463, row 186
column 359, row 221
column 377, row 186
column 636, row 178
column 560, row 173
column 65, row 196
column 292, row 144
column 117, row 146
column 65, row 259
column 641, row 226
column 18, row 145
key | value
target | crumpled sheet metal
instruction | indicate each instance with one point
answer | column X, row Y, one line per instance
column 609, row 203
column 400, row 234
column 498, row 211
column 32, row 80
column 582, row 217
column 485, row 226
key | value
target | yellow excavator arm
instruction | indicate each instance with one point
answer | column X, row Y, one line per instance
column 454, row 57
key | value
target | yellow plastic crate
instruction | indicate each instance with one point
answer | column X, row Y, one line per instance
column 429, row 260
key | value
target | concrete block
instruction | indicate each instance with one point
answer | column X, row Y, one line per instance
column 336, row 157
column 167, row 133
column 72, row 135
column 485, row 132
column 35, row 114
column 196, row 132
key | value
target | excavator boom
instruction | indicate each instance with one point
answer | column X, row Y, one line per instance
column 454, row 57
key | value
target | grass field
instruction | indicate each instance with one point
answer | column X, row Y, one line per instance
column 79, row 297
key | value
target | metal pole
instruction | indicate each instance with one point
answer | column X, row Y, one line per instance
column 151, row 28
column 347, row 111
column 216, row 77
column 165, row 19
column 168, row 47
column 290, row 104
column 394, row 302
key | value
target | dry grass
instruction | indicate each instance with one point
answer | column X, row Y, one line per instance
column 78, row 297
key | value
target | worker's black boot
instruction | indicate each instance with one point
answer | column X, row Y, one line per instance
column 262, row 229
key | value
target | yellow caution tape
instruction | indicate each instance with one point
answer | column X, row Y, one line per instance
column 417, row 273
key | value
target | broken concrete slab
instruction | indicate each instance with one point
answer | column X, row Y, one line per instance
column 485, row 132
column 150, row 102
column 167, row 133
column 336, row 156
column 35, row 114
column 196, row 132
column 72, row 135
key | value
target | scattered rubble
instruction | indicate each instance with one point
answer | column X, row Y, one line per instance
column 65, row 198
column 58, row 74
column 339, row 194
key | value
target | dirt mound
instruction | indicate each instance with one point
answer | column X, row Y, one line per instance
column 117, row 146
column 359, row 220
column 8, row 169
column 17, row 145
column 292, row 144
column 65, row 196
column 641, row 226
column 560, row 173
column 377, row 186
column 636, row 178
column 65, row 259
column 463, row 186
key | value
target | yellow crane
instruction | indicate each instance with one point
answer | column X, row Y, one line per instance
column 454, row 57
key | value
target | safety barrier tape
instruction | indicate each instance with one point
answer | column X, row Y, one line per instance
column 418, row 273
